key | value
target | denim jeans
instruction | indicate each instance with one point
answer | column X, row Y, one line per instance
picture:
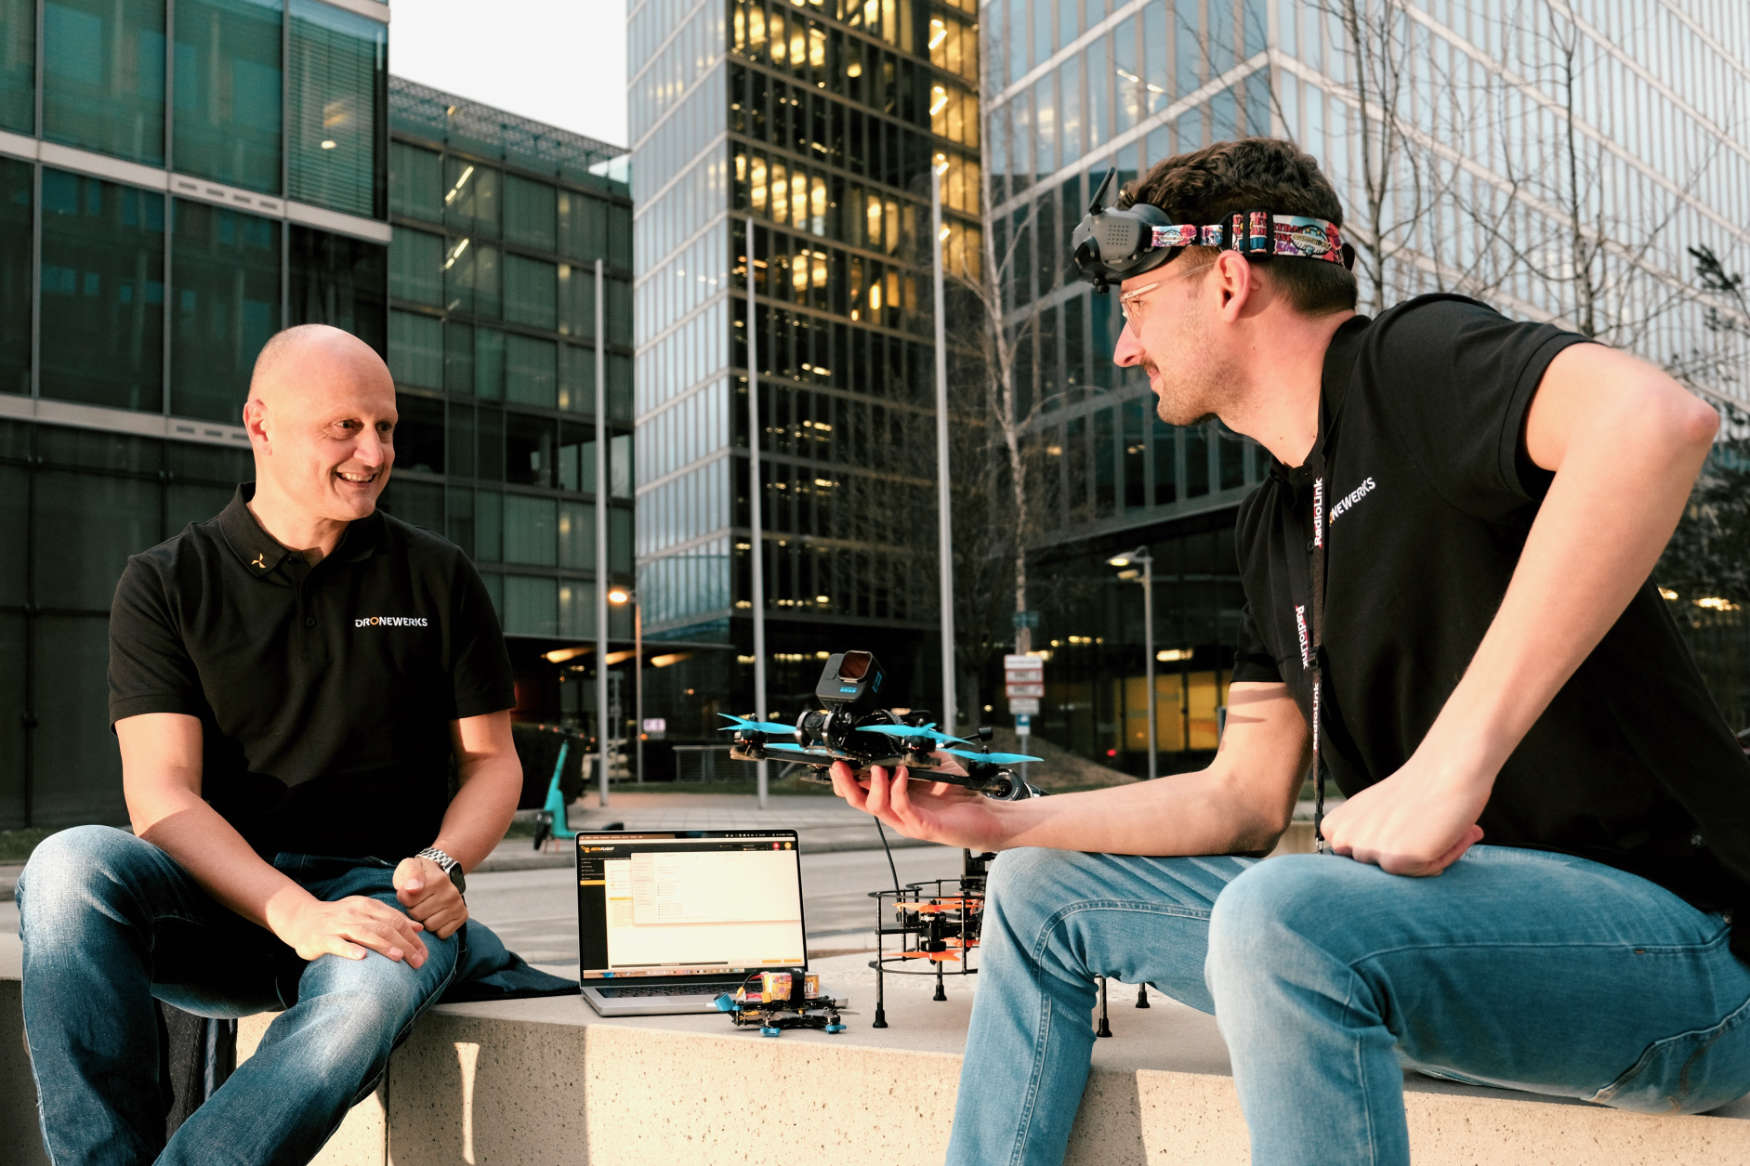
column 108, row 922
column 1514, row 968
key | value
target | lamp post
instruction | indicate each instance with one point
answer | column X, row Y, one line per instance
column 620, row 596
column 1140, row 556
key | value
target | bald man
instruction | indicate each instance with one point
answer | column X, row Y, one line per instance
column 291, row 685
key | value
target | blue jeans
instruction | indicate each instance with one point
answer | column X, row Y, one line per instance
column 109, row 922
column 1514, row 968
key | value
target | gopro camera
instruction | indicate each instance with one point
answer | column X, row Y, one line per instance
column 849, row 681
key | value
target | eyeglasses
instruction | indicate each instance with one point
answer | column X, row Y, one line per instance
column 1130, row 302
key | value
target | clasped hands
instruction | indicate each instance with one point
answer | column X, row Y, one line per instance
column 357, row 924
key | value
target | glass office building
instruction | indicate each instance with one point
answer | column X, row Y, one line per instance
column 1464, row 197
column 177, row 183
column 820, row 121
column 499, row 226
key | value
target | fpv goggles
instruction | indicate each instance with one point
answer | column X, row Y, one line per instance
column 1111, row 244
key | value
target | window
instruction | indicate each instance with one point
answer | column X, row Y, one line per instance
column 416, row 350
column 102, row 294
column 341, row 281
column 577, row 535
column 531, row 369
column 583, row 226
column 415, row 182
column 15, row 275
column 471, row 279
column 103, row 76
column 225, row 269
column 17, row 72
column 416, row 262
column 529, row 212
column 531, row 606
column 338, row 88
column 529, row 292
column 576, row 312
column 225, row 118
column 470, row 197
column 529, row 530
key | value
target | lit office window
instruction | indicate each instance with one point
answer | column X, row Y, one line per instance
column 342, row 281
column 338, row 87
column 225, row 269
column 577, row 609
column 226, row 105
column 103, row 76
column 102, row 292
column 18, row 65
column 15, row 194
column 471, row 277
column 471, row 197
column 577, row 535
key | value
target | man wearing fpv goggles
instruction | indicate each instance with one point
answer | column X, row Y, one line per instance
column 1448, row 611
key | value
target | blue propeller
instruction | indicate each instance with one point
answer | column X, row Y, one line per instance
column 928, row 731
column 743, row 725
column 993, row 758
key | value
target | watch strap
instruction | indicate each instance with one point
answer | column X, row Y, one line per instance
column 447, row 864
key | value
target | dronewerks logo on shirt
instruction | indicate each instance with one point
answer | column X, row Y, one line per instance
column 390, row 621
column 1351, row 498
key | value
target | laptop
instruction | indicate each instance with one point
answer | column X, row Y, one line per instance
column 669, row 920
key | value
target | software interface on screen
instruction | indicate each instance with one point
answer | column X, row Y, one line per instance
column 663, row 905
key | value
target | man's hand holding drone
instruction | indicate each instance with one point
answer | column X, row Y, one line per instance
column 934, row 811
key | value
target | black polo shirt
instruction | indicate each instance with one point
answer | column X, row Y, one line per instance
column 1429, row 496
column 325, row 692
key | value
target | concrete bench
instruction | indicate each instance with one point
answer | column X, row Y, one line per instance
column 547, row 1081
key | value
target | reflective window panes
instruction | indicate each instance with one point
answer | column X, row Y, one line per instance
column 576, row 301
column 416, row 352
column 471, row 277
column 103, row 76
column 102, row 293
column 577, row 535
column 416, row 262
column 18, row 65
column 583, row 227
column 15, row 275
column 338, row 88
column 225, row 269
column 419, row 446
column 470, row 197
column 531, row 370
column 530, row 295
column 341, row 281
column 416, row 182
column 529, row 530
column 225, row 120
column 529, row 212
column 78, row 767
column 531, row 606
column 528, row 450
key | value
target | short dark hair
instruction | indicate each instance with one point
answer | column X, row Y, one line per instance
column 1247, row 174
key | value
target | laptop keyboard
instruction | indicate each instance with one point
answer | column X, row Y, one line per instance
column 659, row 990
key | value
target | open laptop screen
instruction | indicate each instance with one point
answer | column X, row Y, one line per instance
column 688, row 903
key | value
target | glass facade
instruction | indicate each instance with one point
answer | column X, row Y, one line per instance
column 135, row 306
column 226, row 82
column 492, row 340
column 821, row 121
column 338, row 76
column 1077, row 88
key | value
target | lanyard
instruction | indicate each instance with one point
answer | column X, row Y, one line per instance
column 1310, row 626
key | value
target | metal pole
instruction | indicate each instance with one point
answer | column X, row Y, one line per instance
column 944, row 524
column 601, row 539
column 638, row 676
column 1148, row 642
column 754, row 494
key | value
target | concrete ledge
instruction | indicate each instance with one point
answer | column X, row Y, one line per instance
column 537, row 1081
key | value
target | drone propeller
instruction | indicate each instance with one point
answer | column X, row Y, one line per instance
column 907, row 731
column 743, row 725
column 993, row 758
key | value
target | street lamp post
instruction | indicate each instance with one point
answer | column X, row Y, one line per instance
column 1141, row 557
column 618, row 597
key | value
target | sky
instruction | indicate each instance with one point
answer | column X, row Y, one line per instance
column 558, row 61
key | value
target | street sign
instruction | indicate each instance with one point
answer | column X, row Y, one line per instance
column 655, row 726
column 1024, row 706
column 1023, row 724
column 1022, row 660
column 1025, row 690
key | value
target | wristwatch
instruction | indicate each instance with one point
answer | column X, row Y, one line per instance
column 449, row 866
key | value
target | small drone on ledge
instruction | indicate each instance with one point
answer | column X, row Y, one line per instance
column 852, row 730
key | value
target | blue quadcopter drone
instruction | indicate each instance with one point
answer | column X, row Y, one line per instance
column 852, row 728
